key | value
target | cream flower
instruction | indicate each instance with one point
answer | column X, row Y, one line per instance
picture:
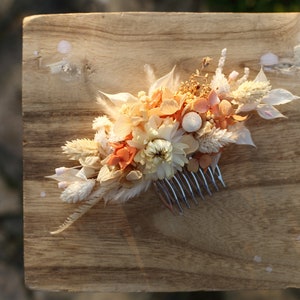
column 103, row 127
column 257, row 95
column 161, row 152
column 247, row 94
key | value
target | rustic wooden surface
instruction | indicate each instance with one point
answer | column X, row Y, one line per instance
column 244, row 237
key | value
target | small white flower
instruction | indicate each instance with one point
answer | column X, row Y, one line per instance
column 257, row 95
column 102, row 122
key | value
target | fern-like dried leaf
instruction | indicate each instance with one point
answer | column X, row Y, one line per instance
column 80, row 148
column 93, row 199
column 212, row 142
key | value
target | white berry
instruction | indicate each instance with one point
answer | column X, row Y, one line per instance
column 191, row 122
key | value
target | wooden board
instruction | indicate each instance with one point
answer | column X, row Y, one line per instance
column 246, row 236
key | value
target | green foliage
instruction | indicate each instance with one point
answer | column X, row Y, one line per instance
column 254, row 5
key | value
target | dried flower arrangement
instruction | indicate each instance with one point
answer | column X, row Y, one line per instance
column 153, row 136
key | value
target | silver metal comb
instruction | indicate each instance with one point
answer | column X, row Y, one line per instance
column 185, row 186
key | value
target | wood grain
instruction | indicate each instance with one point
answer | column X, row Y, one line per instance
column 140, row 246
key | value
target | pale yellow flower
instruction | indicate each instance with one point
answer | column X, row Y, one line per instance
column 161, row 152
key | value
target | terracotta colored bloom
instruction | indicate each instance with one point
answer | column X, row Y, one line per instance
column 200, row 160
column 123, row 155
column 164, row 103
column 224, row 115
column 202, row 105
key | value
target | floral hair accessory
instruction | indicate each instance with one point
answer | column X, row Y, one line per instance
column 174, row 127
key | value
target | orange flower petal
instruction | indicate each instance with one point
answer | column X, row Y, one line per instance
column 166, row 94
column 225, row 108
column 193, row 165
column 213, row 98
column 123, row 164
column 123, row 154
column 205, row 161
column 239, row 118
column 201, row 105
column 223, row 124
column 116, row 145
column 113, row 160
column 169, row 107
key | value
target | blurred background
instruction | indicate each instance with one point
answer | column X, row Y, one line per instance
column 12, row 13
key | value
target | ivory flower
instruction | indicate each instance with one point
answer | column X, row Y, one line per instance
column 258, row 95
column 161, row 154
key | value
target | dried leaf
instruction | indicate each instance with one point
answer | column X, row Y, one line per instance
column 279, row 96
column 120, row 98
column 149, row 73
column 193, row 165
column 69, row 174
column 192, row 143
column 134, row 175
column 261, row 77
column 168, row 81
column 268, row 112
column 241, row 134
column 246, row 107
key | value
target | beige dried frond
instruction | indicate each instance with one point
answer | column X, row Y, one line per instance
column 93, row 199
column 79, row 212
column 212, row 141
column 80, row 148
column 78, row 191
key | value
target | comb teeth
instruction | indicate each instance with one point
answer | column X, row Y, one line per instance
column 187, row 186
